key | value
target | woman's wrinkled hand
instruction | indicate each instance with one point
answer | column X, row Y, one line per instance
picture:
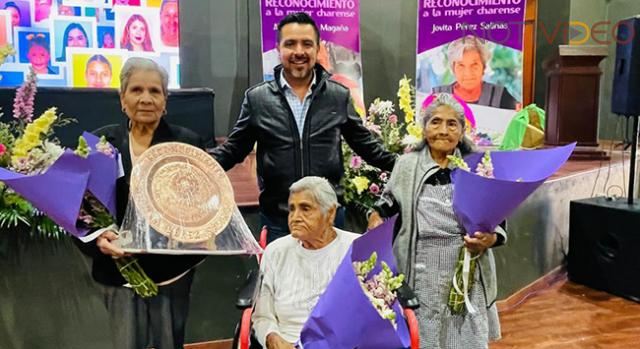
column 106, row 245
column 374, row 220
column 479, row 242
column 274, row 341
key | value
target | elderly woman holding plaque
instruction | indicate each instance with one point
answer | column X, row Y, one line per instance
column 157, row 321
column 430, row 237
column 469, row 58
column 297, row 268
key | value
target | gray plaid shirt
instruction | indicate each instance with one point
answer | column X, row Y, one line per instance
column 299, row 108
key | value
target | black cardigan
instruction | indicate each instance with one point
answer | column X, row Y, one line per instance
column 159, row 267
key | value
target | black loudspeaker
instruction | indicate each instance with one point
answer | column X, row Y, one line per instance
column 604, row 246
column 625, row 99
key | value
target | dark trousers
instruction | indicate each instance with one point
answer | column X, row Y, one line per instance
column 275, row 231
column 157, row 322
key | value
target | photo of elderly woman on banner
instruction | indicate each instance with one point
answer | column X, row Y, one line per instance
column 474, row 53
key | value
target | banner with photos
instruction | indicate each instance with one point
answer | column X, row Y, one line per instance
column 84, row 43
column 339, row 25
column 473, row 49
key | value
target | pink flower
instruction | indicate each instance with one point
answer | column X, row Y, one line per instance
column 3, row 149
column 356, row 162
column 408, row 149
column 485, row 170
column 375, row 129
column 374, row 189
column 83, row 216
column 384, row 176
column 86, row 219
column 23, row 102
column 393, row 119
column 106, row 149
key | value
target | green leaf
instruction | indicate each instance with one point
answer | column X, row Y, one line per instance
column 10, row 218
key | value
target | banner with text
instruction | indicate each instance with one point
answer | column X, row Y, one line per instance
column 339, row 25
column 473, row 49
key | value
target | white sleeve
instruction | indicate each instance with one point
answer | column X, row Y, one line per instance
column 120, row 166
column 264, row 317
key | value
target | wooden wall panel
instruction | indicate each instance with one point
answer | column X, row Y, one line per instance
column 530, row 29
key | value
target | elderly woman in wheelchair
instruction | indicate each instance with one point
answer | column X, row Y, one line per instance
column 296, row 269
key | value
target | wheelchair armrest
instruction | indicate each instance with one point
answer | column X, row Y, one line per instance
column 248, row 290
column 407, row 297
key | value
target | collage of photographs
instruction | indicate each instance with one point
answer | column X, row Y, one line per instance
column 83, row 43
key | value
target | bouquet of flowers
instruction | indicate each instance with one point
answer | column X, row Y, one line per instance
column 36, row 172
column 362, row 182
column 29, row 148
column 356, row 311
column 42, row 172
column 510, row 175
column 466, row 265
column 95, row 215
column 380, row 289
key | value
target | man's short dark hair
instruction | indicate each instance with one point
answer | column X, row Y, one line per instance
column 300, row 18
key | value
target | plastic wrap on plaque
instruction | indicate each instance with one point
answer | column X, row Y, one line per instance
column 181, row 202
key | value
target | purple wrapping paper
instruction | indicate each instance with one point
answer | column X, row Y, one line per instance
column 482, row 203
column 59, row 191
column 344, row 317
column 104, row 172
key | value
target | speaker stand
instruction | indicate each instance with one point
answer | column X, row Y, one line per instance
column 632, row 169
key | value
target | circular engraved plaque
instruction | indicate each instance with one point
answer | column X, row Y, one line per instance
column 182, row 192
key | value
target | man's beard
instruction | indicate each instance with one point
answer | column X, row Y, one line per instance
column 301, row 73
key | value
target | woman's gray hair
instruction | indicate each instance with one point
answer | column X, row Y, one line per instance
column 459, row 46
column 446, row 99
column 443, row 99
column 320, row 190
column 134, row 64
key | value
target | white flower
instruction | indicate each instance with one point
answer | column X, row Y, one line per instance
column 381, row 108
column 39, row 159
column 385, row 108
column 53, row 149
column 410, row 140
column 51, row 153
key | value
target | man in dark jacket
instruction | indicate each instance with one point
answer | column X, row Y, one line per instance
column 297, row 120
